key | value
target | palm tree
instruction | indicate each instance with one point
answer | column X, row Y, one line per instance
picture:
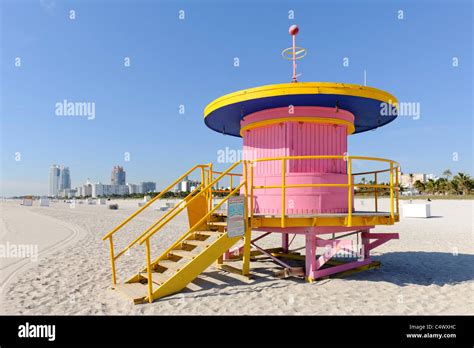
column 454, row 187
column 464, row 182
column 419, row 186
column 430, row 186
column 442, row 185
column 447, row 173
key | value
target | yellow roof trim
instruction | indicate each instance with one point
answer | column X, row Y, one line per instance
column 300, row 88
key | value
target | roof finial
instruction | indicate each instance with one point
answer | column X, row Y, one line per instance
column 293, row 53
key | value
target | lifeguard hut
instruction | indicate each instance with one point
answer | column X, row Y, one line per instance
column 296, row 178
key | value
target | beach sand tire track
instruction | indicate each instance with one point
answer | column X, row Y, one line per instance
column 75, row 235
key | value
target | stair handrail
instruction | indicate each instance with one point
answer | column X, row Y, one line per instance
column 230, row 175
column 196, row 225
column 124, row 250
column 149, row 263
column 123, row 223
column 203, row 191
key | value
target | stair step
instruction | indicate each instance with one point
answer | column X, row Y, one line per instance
column 218, row 223
column 208, row 233
column 199, row 242
column 171, row 265
column 157, row 278
column 185, row 253
column 134, row 291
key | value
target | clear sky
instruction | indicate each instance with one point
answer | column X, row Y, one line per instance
column 190, row 62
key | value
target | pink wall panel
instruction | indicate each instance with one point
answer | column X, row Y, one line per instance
column 299, row 139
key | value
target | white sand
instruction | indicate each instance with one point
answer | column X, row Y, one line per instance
column 430, row 270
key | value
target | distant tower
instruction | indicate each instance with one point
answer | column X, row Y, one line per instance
column 118, row 176
column 54, row 172
column 64, row 178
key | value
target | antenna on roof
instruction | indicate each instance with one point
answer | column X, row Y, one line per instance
column 295, row 52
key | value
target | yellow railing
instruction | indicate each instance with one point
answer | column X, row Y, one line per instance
column 184, row 206
column 146, row 238
column 393, row 187
column 376, row 186
column 158, row 223
column 110, row 234
column 231, row 180
column 206, row 189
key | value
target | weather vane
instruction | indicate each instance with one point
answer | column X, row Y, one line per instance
column 295, row 52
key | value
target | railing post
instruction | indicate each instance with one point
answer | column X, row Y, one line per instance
column 283, row 193
column 349, row 192
column 248, row 230
column 203, row 179
column 251, row 194
column 210, row 189
column 203, row 182
column 398, row 188
column 391, row 192
column 112, row 261
column 376, row 193
column 231, row 176
column 148, row 270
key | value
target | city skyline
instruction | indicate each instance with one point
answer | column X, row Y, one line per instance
column 127, row 83
column 60, row 184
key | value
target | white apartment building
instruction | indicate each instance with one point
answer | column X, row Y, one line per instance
column 100, row 189
column 407, row 180
column 134, row 188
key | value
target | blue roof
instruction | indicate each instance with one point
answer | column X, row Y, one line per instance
column 367, row 111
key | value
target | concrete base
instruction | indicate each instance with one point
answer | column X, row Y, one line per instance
column 419, row 210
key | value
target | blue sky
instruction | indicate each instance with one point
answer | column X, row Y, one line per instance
column 190, row 62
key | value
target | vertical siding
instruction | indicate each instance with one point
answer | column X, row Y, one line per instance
column 296, row 139
column 264, row 142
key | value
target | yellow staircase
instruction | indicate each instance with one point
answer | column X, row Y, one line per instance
column 180, row 266
column 197, row 249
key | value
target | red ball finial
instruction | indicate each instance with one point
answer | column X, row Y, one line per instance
column 294, row 29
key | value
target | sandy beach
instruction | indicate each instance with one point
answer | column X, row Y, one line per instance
column 429, row 270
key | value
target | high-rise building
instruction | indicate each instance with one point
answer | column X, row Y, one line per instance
column 64, row 178
column 118, row 176
column 148, row 186
column 54, row 172
column 59, row 179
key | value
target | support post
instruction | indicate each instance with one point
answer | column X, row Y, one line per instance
column 349, row 193
column 148, row 270
column 283, row 192
column 310, row 257
column 376, row 194
column 284, row 242
column 112, row 261
column 365, row 244
column 220, row 260
column 392, row 214
column 248, row 228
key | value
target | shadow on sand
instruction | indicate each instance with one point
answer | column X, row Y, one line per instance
column 400, row 268
column 421, row 268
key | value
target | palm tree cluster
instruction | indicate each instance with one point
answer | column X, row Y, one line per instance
column 460, row 184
